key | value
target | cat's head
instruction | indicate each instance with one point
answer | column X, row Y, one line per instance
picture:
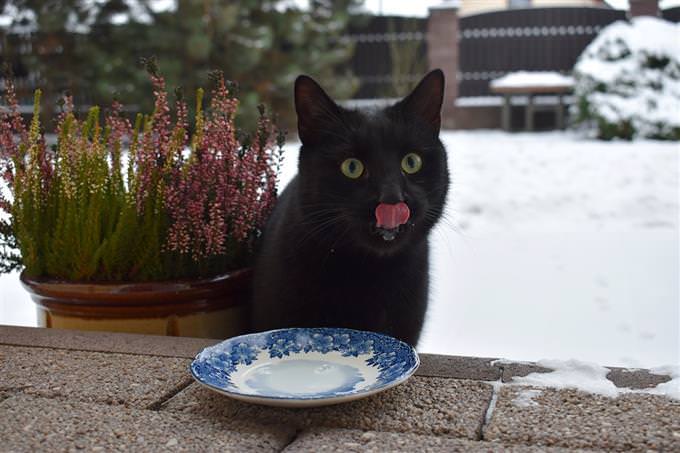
column 376, row 180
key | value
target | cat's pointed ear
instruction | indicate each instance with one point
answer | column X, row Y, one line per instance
column 316, row 111
column 425, row 101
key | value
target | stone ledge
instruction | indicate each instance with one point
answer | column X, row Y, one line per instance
column 4, row 394
column 344, row 440
column 125, row 343
column 109, row 378
column 183, row 347
column 458, row 367
column 422, row 405
column 569, row 418
column 635, row 379
column 40, row 424
column 432, row 365
column 443, row 406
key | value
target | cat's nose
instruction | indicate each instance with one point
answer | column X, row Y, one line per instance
column 391, row 194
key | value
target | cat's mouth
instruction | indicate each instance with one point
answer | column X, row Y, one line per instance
column 388, row 234
column 390, row 218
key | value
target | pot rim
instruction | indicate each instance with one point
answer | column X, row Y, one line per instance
column 154, row 285
column 158, row 297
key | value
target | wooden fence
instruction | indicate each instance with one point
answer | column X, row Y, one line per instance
column 537, row 39
column 671, row 14
column 390, row 54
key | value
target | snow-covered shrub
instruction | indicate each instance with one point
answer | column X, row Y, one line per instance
column 628, row 81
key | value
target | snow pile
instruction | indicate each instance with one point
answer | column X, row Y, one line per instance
column 591, row 378
column 628, row 80
column 574, row 374
column 671, row 388
column 523, row 79
column 526, row 398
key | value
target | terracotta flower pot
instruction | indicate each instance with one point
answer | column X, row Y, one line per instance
column 209, row 308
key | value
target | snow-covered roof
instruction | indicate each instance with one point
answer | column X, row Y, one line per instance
column 525, row 79
column 446, row 4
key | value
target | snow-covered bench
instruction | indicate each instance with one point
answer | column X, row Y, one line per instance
column 530, row 84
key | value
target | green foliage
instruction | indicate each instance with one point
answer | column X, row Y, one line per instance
column 103, row 202
column 263, row 45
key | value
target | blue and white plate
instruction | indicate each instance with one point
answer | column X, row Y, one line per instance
column 305, row 367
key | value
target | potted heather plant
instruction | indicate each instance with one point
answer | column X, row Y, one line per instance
column 143, row 227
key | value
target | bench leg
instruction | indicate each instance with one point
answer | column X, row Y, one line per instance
column 560, row 112
column 505, row 114
column 529, row 114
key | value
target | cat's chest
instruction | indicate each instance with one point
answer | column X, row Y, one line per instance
column 361, row 279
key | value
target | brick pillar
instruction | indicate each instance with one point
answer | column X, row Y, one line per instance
column 442, row 53
column 643, row 8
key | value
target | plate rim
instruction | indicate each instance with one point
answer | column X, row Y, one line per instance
column 304, row 401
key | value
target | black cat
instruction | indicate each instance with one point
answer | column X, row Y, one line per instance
column 347, row 244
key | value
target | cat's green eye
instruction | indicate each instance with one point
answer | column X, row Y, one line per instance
column 411, row 163
column 352, row 168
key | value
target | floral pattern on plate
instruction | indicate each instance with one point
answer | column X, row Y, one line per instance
column 377, row 362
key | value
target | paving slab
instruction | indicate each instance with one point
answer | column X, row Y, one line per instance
column 458, row 367
column 4, row 394
column 41, row 424
column 518, row 369
column 431, row 364
column 128, row 343
column 127, row 379
column 344, row 440
column 422, row 405
column 635, row 379
column 574, row 419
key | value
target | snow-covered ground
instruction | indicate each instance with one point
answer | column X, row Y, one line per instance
column 553, row 246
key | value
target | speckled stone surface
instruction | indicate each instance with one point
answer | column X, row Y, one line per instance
column 518, row 369
column 4, row 394
column 569, row 418
column 431, row 364
column 422, row 405
column 39, row 424
column 343, row 440
column 109, row 378
column 128, row 343
column 635, row 379
column 68, row 390
column 458, row 367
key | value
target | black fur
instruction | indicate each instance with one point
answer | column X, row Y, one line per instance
column 321, row 261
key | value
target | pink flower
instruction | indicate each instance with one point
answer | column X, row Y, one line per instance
column 204, row 197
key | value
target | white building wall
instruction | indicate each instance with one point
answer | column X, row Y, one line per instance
column 468, row 7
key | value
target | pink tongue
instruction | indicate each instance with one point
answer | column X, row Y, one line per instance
column 390, row 216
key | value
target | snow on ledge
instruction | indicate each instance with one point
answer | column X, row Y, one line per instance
column 592, row 378
column 523, row 79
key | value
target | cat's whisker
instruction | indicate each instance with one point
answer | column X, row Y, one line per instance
column 326, row 224
column 335, row 244
column 313, row 232
column 450, row 227
column 320, row 214
column 321, row 217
